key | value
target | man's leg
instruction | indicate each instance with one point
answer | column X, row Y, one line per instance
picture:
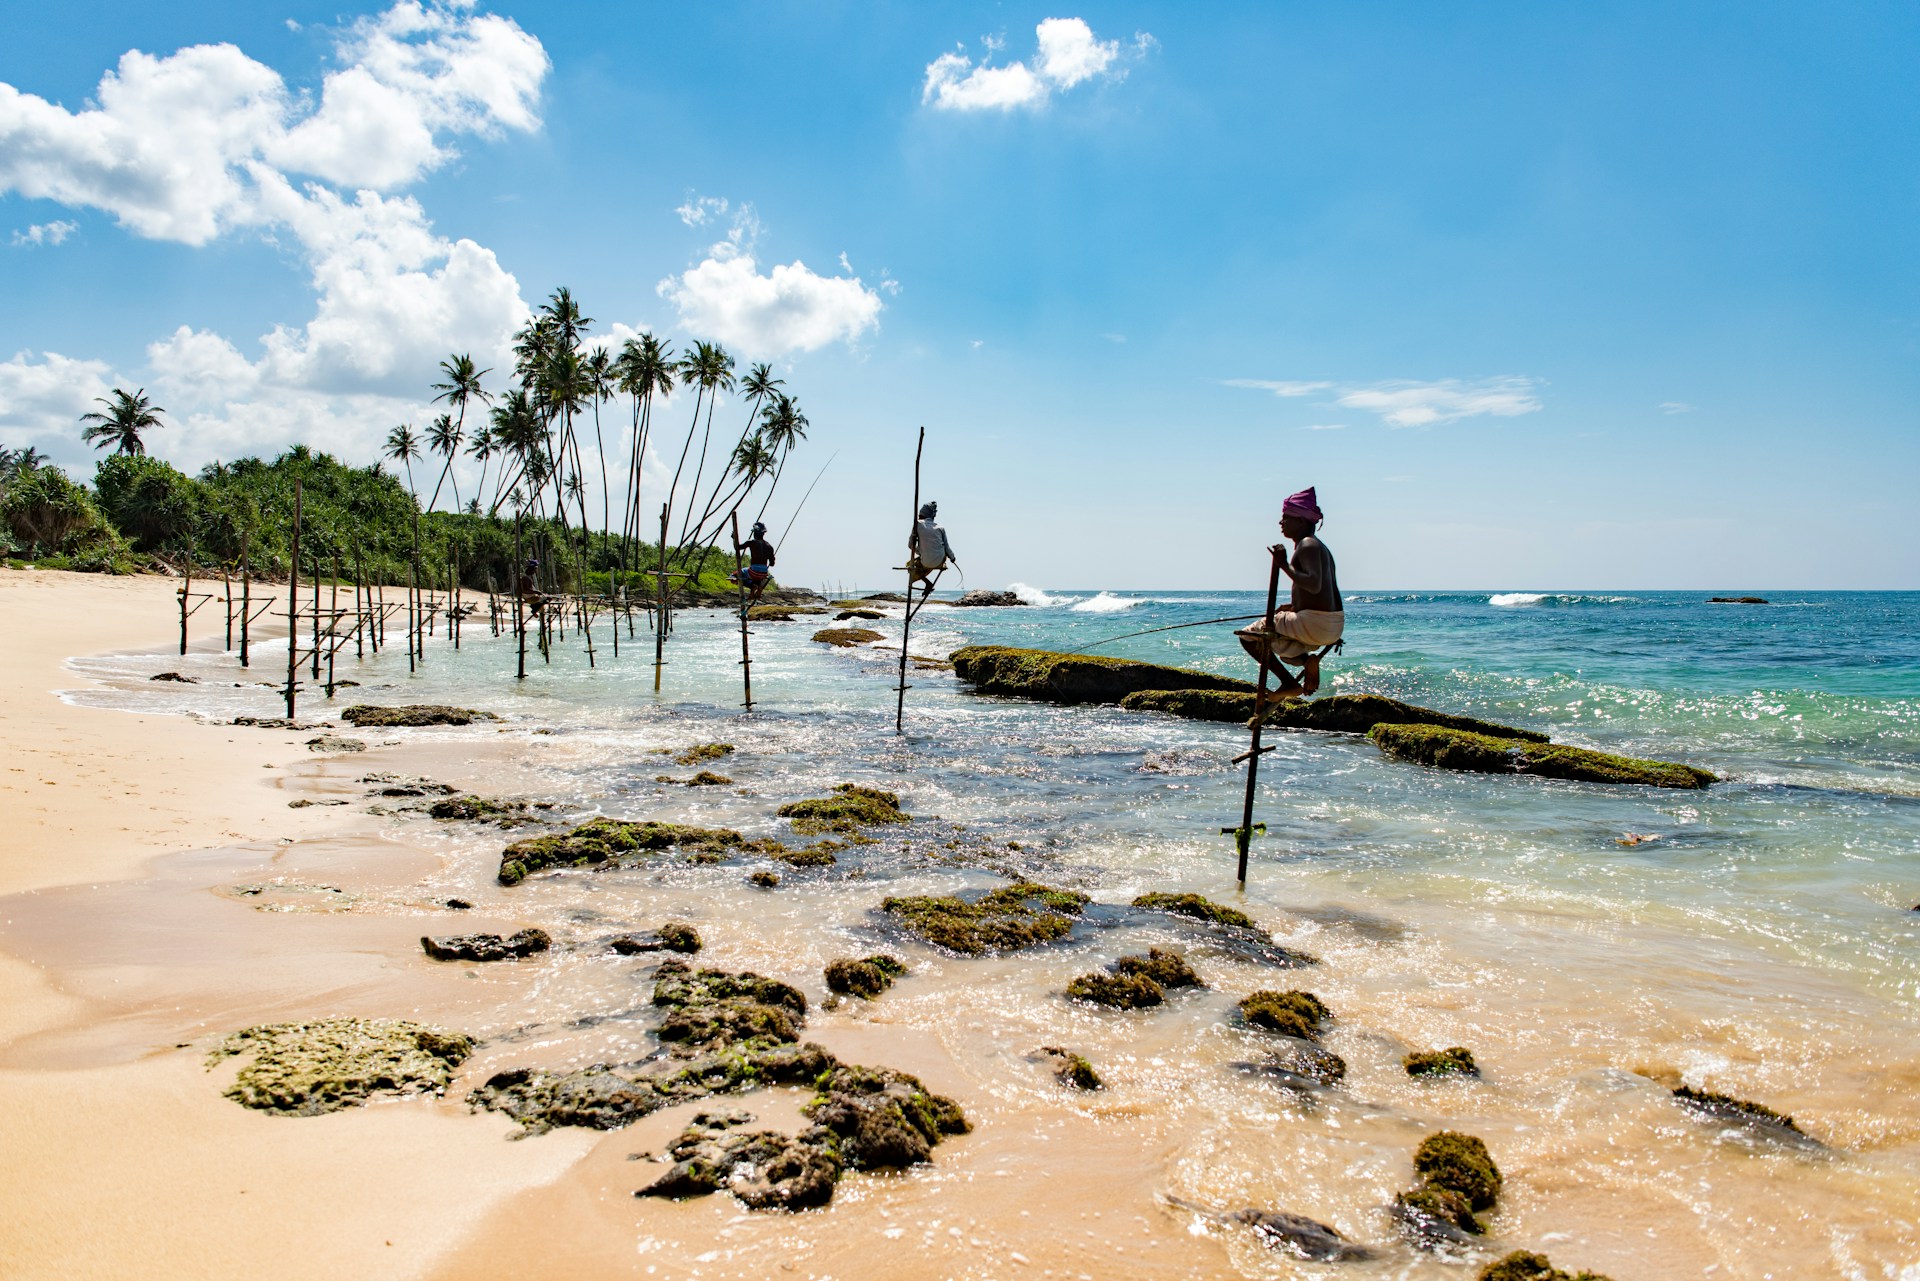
column 1310, row 673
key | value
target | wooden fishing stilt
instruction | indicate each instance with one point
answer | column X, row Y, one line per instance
column 246, row 596
column 186, row 588
column 906, row 621
column 660, row 605
column 361, row 617
column 1243, row 835
column 519, row 616
column 740, row 576
column 293, row 606
column 316, row 615
column 226, row 579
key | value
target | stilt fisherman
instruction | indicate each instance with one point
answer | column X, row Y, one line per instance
column 928, row 551
column 759, row 570
column 1313, row 619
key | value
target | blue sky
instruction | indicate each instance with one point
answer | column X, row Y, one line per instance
column 1607, row 296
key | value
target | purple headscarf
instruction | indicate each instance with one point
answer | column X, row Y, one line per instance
column 1303, row 504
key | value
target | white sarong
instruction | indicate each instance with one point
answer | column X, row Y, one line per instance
column 1294, row 633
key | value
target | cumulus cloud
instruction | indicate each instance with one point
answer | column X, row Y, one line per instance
column 206, row 141
column 789, row 308
column 44, row 233
column 1066, row 54
column 44, row 395
column 1408, row 403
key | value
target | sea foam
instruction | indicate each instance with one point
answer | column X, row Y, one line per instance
column 1104, row 603
column 1034, row 596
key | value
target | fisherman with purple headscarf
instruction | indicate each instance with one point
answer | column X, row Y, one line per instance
column 1313, row 619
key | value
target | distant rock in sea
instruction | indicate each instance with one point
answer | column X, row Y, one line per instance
column 1738, row 600
column 989, row 598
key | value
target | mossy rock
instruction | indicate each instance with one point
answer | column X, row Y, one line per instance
column 1200, row 909
column 1459, row 1163
column 368, row 716
column 818, row 854
column 1292, row 1013
column 847, row 637
column 865, row 614
column 305, row 1069
column 1334, row 714
column 483, row 809
column 1725, row 1107
column 705, row 778
column 674, row 936
column 1164, row 966
column 764, row 1170
column 1073, row 678
column 605, row 842
column 1524, row 1265
column 850, row 808
column 1455, row 1060
column 1071, row 1069
column 1483, row 754
column 1007, row 919
column 1118, row 991
column 866, row 976
column 486, row 947
column 765, row 880
column 883, row 1119
column 701, row 753
column 1435, row 1216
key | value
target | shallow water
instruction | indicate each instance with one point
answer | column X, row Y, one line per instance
column 1758, row 943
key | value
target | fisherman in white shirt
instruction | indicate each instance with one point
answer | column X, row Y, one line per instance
column 928, row 550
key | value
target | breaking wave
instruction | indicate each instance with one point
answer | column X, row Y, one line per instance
column 1515, row 600
column 1105, row 603
column 1034, row 596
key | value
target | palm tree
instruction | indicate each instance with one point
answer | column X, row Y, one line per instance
column 443, row 437
column 598, row 374
column 481, row 451
column 404, row 446
column 710, row 370
column 519, row 433
column 645, row 369
column 756, row 386
column 462, row 385
column 784, row 426
column 126, row 417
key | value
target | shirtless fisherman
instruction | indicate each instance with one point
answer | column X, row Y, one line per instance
column 928, row 551
column 1314, row 618
column 759, row 570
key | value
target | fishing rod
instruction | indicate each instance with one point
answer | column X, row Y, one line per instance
column 803, row 502
column 1171, row 627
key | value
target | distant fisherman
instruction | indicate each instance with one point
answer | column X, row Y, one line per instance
column 759, row 570
column 928, row 550
column 1314, row 619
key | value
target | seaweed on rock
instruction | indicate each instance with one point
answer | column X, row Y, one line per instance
column 1074, row 678
column 1725, row 1107
column 1197, row 907
column 1008, row 919
column 866, row 976
column 1524, row 1265
column 883, row 1119
column 1292, row 1013
column 305, row 1069
column 1484, row 754
column 484, row 809
column 701, row 753
column 367, row 715
column 605, row 842
column 764, row 1169
column 1071, row 1069
column 849, row 809
column 1334, row 714
column 847, row 637
column 1120, row 991
column 1163, row 965
column 1455, row 1060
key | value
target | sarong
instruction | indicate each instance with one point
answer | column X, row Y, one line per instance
column 1296, row 633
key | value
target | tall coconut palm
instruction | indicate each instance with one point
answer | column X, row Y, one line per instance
column 403, row 446
column 462, row 385
column 784, row 427
column 756, row 387
column 646, row 369
column 520, row 434
column 709, row 369
column 481, row 450
column 121, row 426
column 598, row 373
column 443, row 437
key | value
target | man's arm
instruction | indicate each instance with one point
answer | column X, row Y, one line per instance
column 1309, row 569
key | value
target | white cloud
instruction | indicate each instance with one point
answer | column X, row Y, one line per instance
column 790, row 308
column 701, row 210
column 44, row 233
column 206, row 140
column 1675, row 407
column 1407, row 403
column 44, row 396
column 1067, row 54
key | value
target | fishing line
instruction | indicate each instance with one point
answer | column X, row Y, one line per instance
column 803, row 502
column 1171, row 627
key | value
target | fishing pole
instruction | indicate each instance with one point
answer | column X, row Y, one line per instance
column 803, row 502
column 1171, row 627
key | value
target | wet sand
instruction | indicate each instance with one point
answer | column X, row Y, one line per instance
column 206, row 905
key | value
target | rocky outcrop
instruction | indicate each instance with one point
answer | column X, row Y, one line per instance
column 847, row 637
column 1074, row 678
column 486, row 809
column 866, row 976
column 1455, row 1060
column 1756, row 1118
column 1136, row 982
column 1291, row 1013
column 305, row 1069
column 1484, row 754
column 763, row 1169
column 1012, row 917
column 486, row 947
column 1458, row 1181
column 608, row 842
column 366, row 715
column 335, row 743
column 175, row 677
column 1070, row 1069
column 977, row 599
column 866, row 614
column 850, row 808
column 1301, row 1237
column 674, row 936
column 1524, row 1265
column 1337, row 713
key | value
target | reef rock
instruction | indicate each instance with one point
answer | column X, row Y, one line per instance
column 1301, row 1065
column 847, row 637
column 850, row 808
column 1483, row 754
column 1012, row 917
column 765, row 1170
column 484, row 809
column 335, row 743
column 1070, row 1069
column 980, row 598
column 1458, row 1179
column 866, row 976
column 1455, row 1060
column 366, row 715
column 486, row 947
column 1524, row 1265
column 1757, row 1118
column 1335, row 714
column 305, row 1069
column 607, row 842
column 1292, row 1013
column 1301, row 1237
column 1074, row 678
column 674, row 936
column 867, row 615
column 175, row 676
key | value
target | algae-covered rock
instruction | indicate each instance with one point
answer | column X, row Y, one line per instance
column 1710, row 1106
column 678, row 985
column 366, row 715
column 1071, row 1069
column 847, row 637
column 1524, row 1265
column 486, row 947
column 780, row 613
column 1458, row 1163
column 605, row 842
column 700, row 753
column 850, row 808
column 818, row 854
column 305, row 1069
column 1301, row 1237
column 1163, row 965
column 883, row 1119
column 1073, row 678
column 1193, row 905
column 1484, row 754
column 865, row 614
column 483, row 809
column 1300, row 1065
column 764, row 1170
column 764, row 879
column 1336, row 713
column 1292, row 1013
column 705, row 778
column 1432, row 1217
column 335, row 743
column 978, row 598
column 866, row 976
column 674, row 936
column 1004, row 920
column 1455, row 1060
column 1119, row 991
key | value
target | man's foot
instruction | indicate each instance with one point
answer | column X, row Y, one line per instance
column 1310, row 675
